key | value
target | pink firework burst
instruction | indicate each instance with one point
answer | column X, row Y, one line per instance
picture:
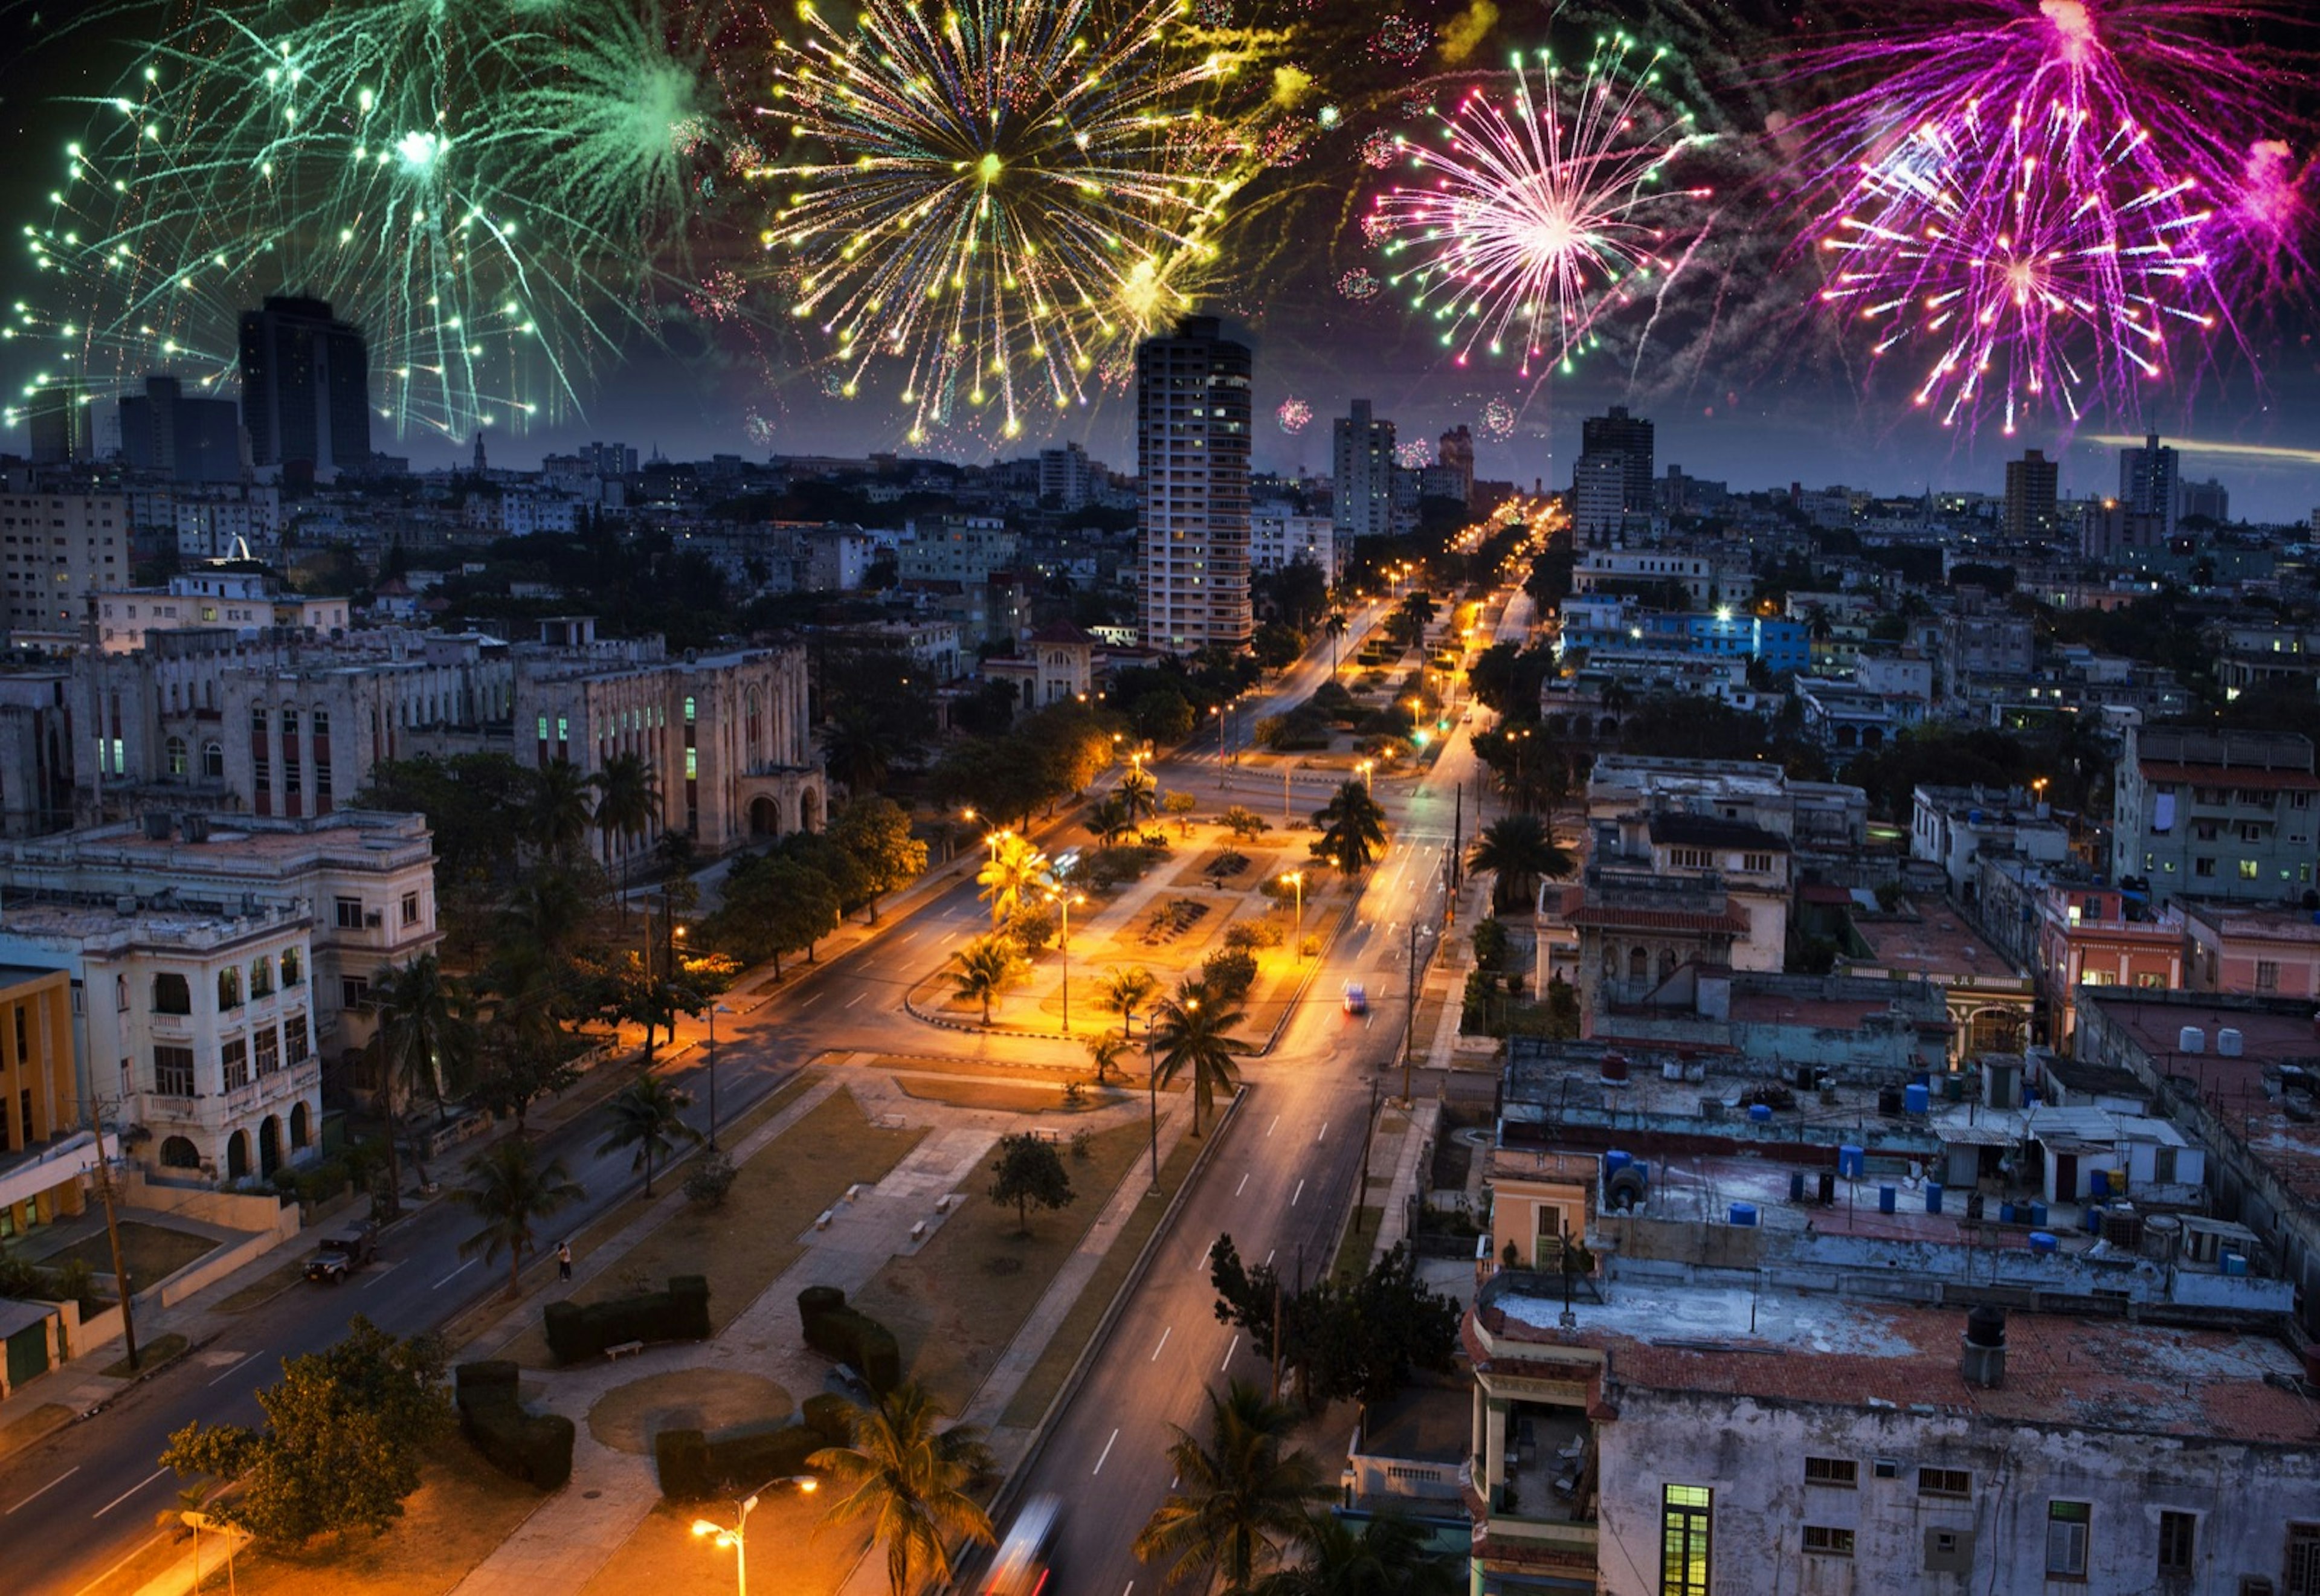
column 1398, row 41
column 1294, row 415
column 1412, row 456
column 718, row 297
column 1359, row 283
column 1378, row 149
column 1498, row 421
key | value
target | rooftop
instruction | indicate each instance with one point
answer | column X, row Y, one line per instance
column 1703, row 830
column 235, row 845
column 2273, row 922
column 1934, row 942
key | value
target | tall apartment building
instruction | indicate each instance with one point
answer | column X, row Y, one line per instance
column 2149, row 483
column 2032, row 484
column 1599, row 499
column 1360, row 457
column 2220, row 813
column 1617, row 435
column 185, row 438
column 2210, row 498
column 55, row 548
column 1192, row 448
column 609, row 459
column 305, row 386
column 57, row 418
column 1455, row 457
column 1066, row 476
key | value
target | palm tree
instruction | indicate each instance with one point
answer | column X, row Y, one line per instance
column 910, row 1479
column 1103, row 1051
column 1108, row 819
column 1416, row 614
column 1334, row 629
column 628, row 799
column 425, row 1043
column 1123, row 991
column 1353, row 828
column 1238, row 1499
column 560, row 812
column 1139, row 794
column 1386, row 1556
column 858, row 749
column 508, row 1188
column 1518, row 848
column 1194, row 1031
column 987, row 967
column 646, row 1117
column 1016, row 873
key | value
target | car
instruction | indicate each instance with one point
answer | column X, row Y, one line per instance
column 1357, row 998
column 1024, row 1561
column 342, row 1252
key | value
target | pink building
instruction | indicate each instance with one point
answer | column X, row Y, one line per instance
column 2085, row 938
column 2259, row 949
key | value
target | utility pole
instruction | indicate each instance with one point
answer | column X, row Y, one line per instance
column 1361, row 1197
column 1457, row 837
column 1276, row 1337
column 1410, row 1015
column 121, row 1280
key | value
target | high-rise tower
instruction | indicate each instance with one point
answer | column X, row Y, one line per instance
column 1192, row 455
column 305, row 386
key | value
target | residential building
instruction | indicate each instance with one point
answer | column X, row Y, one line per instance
column 2149, row 480
column 1454, row 464
column 957, row 549
column 1278, row 537
column 1192, row 442
column 837, row 559
column 2032, row 485
column 2258, row 949
column 1706, row 578
column 1975, row 646
column 56, row 549
column 1067, row 477
column 2210, row 499
column 1990, row 1000
column 2222, row 813
column 36, row 752
column 243, row 603
column 609, row 459
column 228, row 523
column 1953, row 827
column 56, row 425
column 1812, row 816
column 46, row 1147
column 1599, row 500
column 186, row 438
column 1617, row 435
column 1361, row 456
column 1056, row 664
column 305, row 388
column 2092, row 936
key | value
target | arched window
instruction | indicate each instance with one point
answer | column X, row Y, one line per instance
column 178, row 756
column 1639, row 964
column 177, row 1153
column 229, row 988
column 321, row 722
column 172, row 994
column 261, row 976
column 293, row 972
column 213, row 760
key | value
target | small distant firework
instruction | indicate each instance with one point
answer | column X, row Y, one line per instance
column 758, row 429
column 1294, row 415
column 836, row 384
column 1379, row 149
column 988, row 194
column 1544, row 216
column 1399, row 41
column 1214, row 13
column 720, row 296
column 1498, row 421
column 1413, row 456
column 1360, row 284
column 1284, row 141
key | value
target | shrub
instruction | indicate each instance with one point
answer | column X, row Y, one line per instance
column 711, row 1178
column 682, row 1459
column 851, row 1336
column 1249, row 935
column 1490, row 944
column 829, row 1417
column 1231, row 861
column 680, row 1313
column 1230, row 972
column 533, row 1447
column 693, row 1467
column 1243, row 822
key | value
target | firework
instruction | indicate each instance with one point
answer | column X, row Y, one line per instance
column 1378, row 149
column 990, row 195
column 1413, row 456
column 1542, row 217
column 718, row 297
column 482, row 196
column 1294, row 415
column 1360, row 284
column 758, row 429
column 1399, row 41
column 1498, row 421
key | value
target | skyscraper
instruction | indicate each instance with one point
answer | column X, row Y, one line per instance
column 1454, row 455
column 189, row 440
column 305, row 386
column 2031, row 482
column 1360, row 453
column 2148, row 482
column 1619, row 433
column 1192, row 455
column 56, row 417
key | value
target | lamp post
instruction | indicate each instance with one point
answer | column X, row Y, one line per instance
column 1064, row 902
column 734, row 1535
column 1296, row 878
column 1128, row 1019
column 1365, row 767
column 1220, row 744
column 715, row 1009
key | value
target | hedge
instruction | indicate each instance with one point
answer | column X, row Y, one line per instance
column 693, row 1467
column 680, row 1313
column 830, row 1417
column 850, row 1336
column 533, row 1447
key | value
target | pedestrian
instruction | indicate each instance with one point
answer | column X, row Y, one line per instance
column 563, row 1260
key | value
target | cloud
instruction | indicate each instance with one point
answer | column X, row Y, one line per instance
column 1465, row 31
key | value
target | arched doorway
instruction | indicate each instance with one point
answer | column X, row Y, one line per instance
column 177, row 1153
column 809, row 811
column 298, row 1132
column 236, row 1155
column 269, row 1146
column 765, row 818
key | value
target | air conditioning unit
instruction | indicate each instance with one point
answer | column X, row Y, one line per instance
column 373, row 919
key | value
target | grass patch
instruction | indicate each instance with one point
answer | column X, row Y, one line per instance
column 150, row 1253
column 20, row 1433
column 744, row 1246
column 1046, row 1376
column 149, row 1356
column 956, row 1304
column 265, row 1288
column 1360, row 1237
column 987, row 1095
column 664, row 1557
column 930, row 1064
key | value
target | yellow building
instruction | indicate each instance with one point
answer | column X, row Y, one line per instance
column 45, row 1150
column 1538, row 1198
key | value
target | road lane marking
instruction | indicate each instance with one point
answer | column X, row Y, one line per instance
column 1242, row 1187
column 1107, row 1452
column 1274, row 1126
column 455, row 1275
column 906, row 936
column 125, row 1495
column 1229, row 1353
column 229, row 1374
column 378, row 1274
column 44, row 1489
column 1268, row 1257
column 809, row 1002
column 947, row 940
column 1320, row 1133
column 856, row 998
column 1165, row 1334
column 1299, row 1192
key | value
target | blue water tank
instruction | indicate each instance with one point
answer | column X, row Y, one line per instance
column 2041, row 1241
column 1760, row 1114
column 2234, row 1264
column 2037, row 1215
column 2094, row 1216
column 1852, row 1163
column 2030, row 1097
column 1743, row 1213
column 1796, row 1185
column 2099, row 1183
column 1933, row 1197
column 1888, row 1198
column 1615, row 1161
column 1915, row 1100
column 2006, row 1213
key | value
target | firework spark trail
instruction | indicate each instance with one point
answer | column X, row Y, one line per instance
column 481, row 193
column 1541, row 219
column 993, row 193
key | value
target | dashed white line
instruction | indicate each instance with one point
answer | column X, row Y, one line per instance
column 1229, row 1353
column 905, row 936
column 229, row 1374
column 1268, row 1257
column 455, row 1275
column 856, row 998
column 810, row 1002
column 1107, row 1452
column 1165, row 1334
column 44, row 1489
column 1242, row 1187
column 1274, row 1126
column 1298, row 1192
column 1320, row 1133
column 125, row 1495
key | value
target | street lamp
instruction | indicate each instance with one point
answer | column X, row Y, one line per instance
column 1129, row 1019
column 733, row 1535
column 1296, row 878
column 1063, row 901
column 1365, row 767
column 714, row 1009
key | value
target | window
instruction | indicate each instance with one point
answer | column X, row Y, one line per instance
column 178, row 757
column 2178, row 1540
column 172, row 994
column 293, row 972
column 214, row 761
column 1684, row 1514
column 120, row 994
column 1884, row 1468
column 2067, row 1523
column 1832, row 1471
column 411, row 908
column 233, row 1060
column 354, row 991
column 229, row 988
column 173, row 1071
column 688, row 712
column 261, row 976
column 2266, row 975
column 349, row 910
column 1945, row 1481
column 2203, row 868
column 269, row 1052
column 1756, row 864
column 2303, row 1559
column 1690, row 858
column 294, row 1048
column 2247, row 870
column 1822, row 1541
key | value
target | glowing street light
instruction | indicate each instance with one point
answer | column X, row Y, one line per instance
column 1296, row 878
column 733, row 1535
column 1064, row 902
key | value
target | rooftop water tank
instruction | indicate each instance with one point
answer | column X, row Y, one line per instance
column 2228, row 1042
column 2191, row 1039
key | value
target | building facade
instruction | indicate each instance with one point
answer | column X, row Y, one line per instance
column 1193, row 442
column 305, row 388
column 55, row 548
column 2216, row 814
column 1362, row 467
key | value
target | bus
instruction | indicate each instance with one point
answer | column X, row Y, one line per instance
column 1021, row 1568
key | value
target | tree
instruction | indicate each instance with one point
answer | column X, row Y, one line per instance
column 1345, row 1338
column 1334, row 629
column 1243, row 822
column 1104, row 1051
column 647, row 1115
column 1386, row 1556
column 1181, row 805
column 518, row 1069
column 510, row 1190
column 560, row 812
column 1016, row 873
column 628, row 799
column 1353, row 828
column 1238, row 1499
column 1139, row 794
column 1030, row 1170
column 1163, row 715
column 1123, row 991
column 876, row 834
column 1518, row 850
column 1108, row 821
column 1412, row 617
column 1193, row 1033
column 910, row 1479
column 424, row 1043
column 774, row 906
column 346, row 1432
column 987, row 968
column 860, row 748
